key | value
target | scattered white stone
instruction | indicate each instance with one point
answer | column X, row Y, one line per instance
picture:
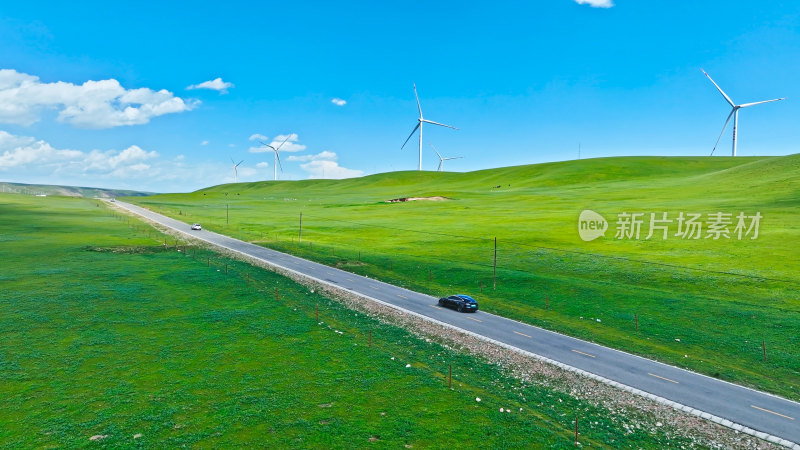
column 520, row 410
column 137, row 435
column 677, row 340
column 598, row 320
column 392, row 358
column 685, row 356
column 658, row 424
column 408, row 365
column 477, row 399
column 98, row 437
column 502, row 410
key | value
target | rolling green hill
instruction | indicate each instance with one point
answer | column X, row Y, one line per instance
column 67, row 191
column 706, row 304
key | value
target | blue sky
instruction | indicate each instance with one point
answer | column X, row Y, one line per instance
column 96, row 93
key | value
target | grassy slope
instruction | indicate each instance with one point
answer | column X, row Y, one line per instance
column 107, row 333
column 69, row 191
column 720, row 318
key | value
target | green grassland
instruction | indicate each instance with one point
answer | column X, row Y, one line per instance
column 704, row 304
column 107, row 332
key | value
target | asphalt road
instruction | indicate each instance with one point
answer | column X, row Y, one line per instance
column 756, row 410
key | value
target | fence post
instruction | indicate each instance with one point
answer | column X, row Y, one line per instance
column 300, row 233
column 576, row 431
column 494, row 270
column 450, row 377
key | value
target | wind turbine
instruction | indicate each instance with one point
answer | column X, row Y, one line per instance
column 442, row 160
column 235, row 174
column 734, row 113
column 420, row 121
column 277, row 161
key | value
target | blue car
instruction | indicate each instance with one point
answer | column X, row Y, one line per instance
column 463, row 303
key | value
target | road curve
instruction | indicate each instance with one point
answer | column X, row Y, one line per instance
column 764, row 415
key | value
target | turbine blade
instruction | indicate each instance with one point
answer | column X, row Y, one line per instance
column 284, row 141
column 232, row 161
column 723, row 130
column 419, row 108
column 266, row 145
column 409, row 136
column 727, row 99
column 437, row 151
column 278, row 157
column 453, row 157
column 237, row 164
column 758, row 103
column 440, row 124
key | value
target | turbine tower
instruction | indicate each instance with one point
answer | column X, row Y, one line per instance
column 734, row 113
column 277, row 161
column 235, row 174
column 442, row 160
column 420, row 121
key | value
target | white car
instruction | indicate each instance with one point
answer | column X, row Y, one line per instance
column 197, row 227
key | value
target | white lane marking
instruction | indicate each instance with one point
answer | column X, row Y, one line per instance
column 521, row 334
column 402, row 296
column 591, row 356
column 476, row 320
column 666, row 379
column 772, row 412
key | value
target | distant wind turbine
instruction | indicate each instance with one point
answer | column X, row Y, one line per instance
column 277, row 161
column 442, row 160
column 235, row 174
column 734, row 113
column 420, row 121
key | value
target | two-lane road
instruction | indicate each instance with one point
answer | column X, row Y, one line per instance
column 761, row 414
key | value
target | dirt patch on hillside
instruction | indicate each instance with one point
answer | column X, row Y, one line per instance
column 435, row 198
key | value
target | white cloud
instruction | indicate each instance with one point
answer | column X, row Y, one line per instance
column 291, row 144
column 258, row 137
column 93, row 104
column 323, row 156
column 596, row 3
column 329, row 169
column 204, row 143
column 338, row 102
column 29, row 160
column 262, row 165
column 23, row 152
column 215, row 85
